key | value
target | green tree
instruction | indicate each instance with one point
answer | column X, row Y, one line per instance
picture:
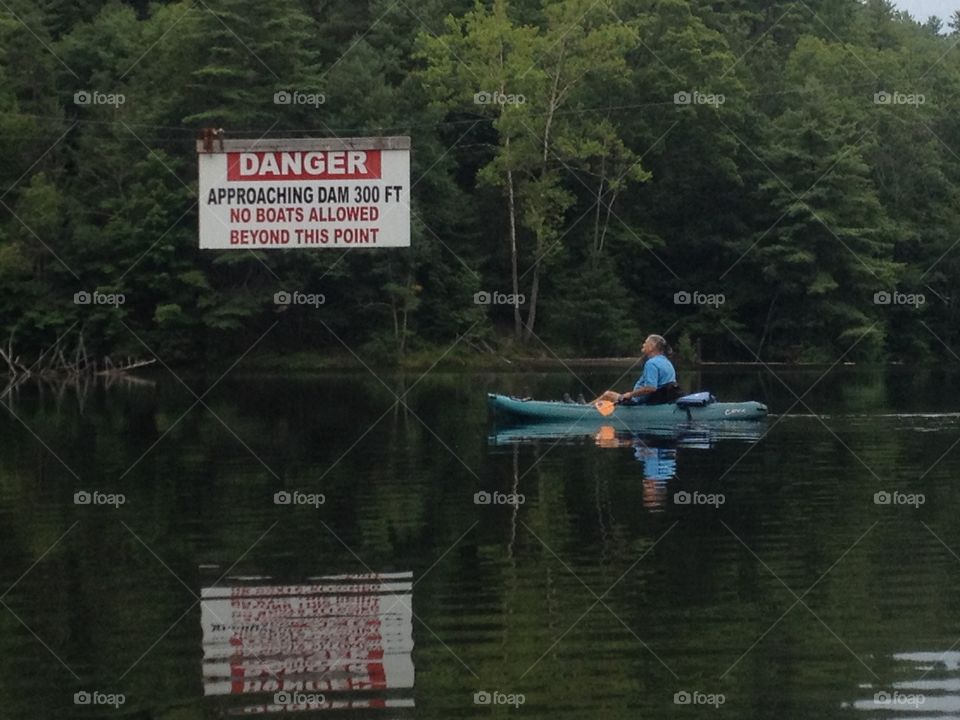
column 531, row 80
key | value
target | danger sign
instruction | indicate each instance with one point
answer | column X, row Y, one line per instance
column 304, row 193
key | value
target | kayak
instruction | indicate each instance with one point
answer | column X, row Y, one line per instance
column 522, row 410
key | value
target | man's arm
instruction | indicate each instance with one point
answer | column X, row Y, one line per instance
column 642, row 390
column 645, row 385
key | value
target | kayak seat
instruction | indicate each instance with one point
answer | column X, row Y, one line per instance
column 699, row 399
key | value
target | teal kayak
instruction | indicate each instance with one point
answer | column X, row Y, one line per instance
column 518, row 410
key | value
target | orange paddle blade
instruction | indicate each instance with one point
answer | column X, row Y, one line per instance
column 605, row 407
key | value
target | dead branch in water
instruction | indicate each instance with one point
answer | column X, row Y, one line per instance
column 59, row 364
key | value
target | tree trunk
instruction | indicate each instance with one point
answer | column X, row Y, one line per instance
column 548, row 124
column 406, row 316
column 534, row 292
column 517, row 322
column 766, row 324
column 396, row 324
column 596, row 224
column 554, row 94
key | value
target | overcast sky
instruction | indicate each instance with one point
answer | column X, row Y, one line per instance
column 922, row 9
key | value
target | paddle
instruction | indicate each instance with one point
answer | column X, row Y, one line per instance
column 605, row 407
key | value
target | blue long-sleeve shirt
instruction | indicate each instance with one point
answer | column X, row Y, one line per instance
column 657, row 372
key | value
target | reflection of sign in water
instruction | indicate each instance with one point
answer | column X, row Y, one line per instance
column 344, row 641
column 931, row 690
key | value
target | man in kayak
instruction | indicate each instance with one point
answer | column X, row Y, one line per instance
column 658, row 383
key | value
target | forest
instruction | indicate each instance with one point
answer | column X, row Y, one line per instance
column 772, row 181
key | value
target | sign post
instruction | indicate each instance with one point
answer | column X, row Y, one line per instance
column 304, row 193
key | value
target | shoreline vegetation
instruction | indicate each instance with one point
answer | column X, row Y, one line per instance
column 146, row 374
column 423, row 361
column 310, row 362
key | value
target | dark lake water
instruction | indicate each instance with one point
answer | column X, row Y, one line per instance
column 306, row 536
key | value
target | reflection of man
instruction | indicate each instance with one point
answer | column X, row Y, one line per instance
column 659, row 466
column 659, row 463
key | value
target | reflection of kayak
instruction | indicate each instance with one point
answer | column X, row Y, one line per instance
column 607, row 434
column 516, row 410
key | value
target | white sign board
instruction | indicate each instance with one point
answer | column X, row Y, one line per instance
column 304, row 193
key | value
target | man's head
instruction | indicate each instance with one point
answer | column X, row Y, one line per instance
column 654, row 345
